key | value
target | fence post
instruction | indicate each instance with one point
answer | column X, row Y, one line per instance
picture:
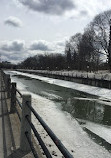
column 25, row 127
column 5, row 81
column 13, row 98
column 8, row 85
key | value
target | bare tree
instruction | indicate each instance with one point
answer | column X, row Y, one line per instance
column 88, row 53
column 74, row 42
column 101, row 27
column 71, row 51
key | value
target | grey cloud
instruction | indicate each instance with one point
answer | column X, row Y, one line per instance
column 13, row 57
column 54, row 7
column 40, row 45
column 61, row 43
column 17, row 50
column 80, row 14
column 13, row 21
column 84, row 13
column 13, row 46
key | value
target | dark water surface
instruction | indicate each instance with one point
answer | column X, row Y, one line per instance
column 78, row 104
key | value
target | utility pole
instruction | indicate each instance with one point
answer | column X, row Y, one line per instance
column 0, row 59
column 69, row 58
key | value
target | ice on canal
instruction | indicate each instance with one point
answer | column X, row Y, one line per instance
column 67, row 129
column 102, row 92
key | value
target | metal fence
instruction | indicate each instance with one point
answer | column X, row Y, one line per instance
column 26, row 143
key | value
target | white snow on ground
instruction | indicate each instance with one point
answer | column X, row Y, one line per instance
column 98, row 75
column 63, row 125
column 100, row 130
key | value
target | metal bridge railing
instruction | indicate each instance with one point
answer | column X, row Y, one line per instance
column 31, row 145
column 26, row 143
column 57, row 142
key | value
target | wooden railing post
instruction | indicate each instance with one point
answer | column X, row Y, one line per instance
column 8, row 85
column 5, row 81
column 13, row 98
column 25, row 127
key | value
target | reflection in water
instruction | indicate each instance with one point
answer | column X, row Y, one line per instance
column 78, row 104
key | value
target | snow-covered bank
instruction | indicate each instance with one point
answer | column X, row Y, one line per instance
column 100, row 130
column 101, row 92
column 106, row 75
column 65, row 127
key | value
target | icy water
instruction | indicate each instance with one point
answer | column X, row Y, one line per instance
column 78, row 104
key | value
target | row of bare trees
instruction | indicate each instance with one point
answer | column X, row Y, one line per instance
column 90, row 49
column 87, row 51
column 45, row 62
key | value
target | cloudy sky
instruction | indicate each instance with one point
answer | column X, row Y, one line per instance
column 28, row 27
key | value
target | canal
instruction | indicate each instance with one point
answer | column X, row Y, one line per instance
column 79, row 104
column 69, row 113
